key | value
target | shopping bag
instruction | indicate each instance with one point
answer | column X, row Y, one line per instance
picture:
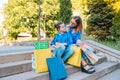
column 89, row 53
column 33, row 63
column 56, row 68
column 75, row 59
column 92, row 57
column 40, row 45
column 85, row 48
column 40, row 59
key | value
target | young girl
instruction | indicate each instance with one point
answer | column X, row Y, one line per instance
column 61, row 42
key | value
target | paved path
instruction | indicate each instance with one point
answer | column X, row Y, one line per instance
column 112, row 76
column 15, row 49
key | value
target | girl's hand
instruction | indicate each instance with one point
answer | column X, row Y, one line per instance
column 54, row 46
column 57, row 44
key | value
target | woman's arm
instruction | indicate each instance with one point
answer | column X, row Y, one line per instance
column 67, row 27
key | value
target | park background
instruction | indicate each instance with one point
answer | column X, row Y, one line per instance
column 101, row 19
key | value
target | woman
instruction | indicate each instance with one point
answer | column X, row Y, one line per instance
column 75, row 29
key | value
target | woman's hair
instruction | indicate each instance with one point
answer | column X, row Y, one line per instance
column 57, row 25
column 78, row 20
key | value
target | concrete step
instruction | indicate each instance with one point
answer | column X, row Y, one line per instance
column 34, row 76
column 15, row 67
column 14, row 49
column 101, row 70
column 112, row 76
column 14, row 57
column 24, row 66
column 104, row 49
column 102, row 58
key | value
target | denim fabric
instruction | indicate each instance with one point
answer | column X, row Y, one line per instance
column 63, row 52
column 83, row 56
column 88, row 50
column 67, row 53
column 59, row 51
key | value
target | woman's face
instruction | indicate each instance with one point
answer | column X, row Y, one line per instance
column 73, row 23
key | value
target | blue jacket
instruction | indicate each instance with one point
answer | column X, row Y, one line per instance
column 75, row 35
column 62, row 38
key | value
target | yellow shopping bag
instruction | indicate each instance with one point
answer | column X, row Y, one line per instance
column 75, row 59
column 40, row 59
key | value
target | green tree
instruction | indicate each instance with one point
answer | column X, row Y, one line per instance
column 65, row 10
column 100, row 15
column 84, row 12
column 21, row 16
column 49, row 15
column 115, row 29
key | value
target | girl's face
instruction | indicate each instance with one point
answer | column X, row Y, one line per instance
column 73, row 23
column 62, row 28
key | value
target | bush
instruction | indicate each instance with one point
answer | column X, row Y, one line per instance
column 100, row 18
column 65, row 10
column 115, row 29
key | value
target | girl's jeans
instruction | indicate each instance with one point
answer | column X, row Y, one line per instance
column 63, row 52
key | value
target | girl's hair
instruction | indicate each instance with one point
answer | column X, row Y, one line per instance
column 57, row 25
column 78, row 20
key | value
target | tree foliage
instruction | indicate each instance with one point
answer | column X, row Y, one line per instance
column 99, row 18
column 65, row 10
column 115, row 29
column 102, row 18
column 22, row 16
column 49, row 15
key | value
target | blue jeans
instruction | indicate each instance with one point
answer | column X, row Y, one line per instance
column 67, row 53
column 63, row 52
column 83, row 56
column 84, row 53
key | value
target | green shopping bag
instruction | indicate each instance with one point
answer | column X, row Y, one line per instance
column 40, row 45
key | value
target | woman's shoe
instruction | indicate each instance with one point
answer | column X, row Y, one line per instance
column 89, row 71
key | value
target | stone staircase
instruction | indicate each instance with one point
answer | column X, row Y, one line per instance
column 17, row 66
column 112, row 76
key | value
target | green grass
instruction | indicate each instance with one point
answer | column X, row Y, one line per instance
column 112, row 44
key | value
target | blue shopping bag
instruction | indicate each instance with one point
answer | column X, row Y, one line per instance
column 56, row 68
